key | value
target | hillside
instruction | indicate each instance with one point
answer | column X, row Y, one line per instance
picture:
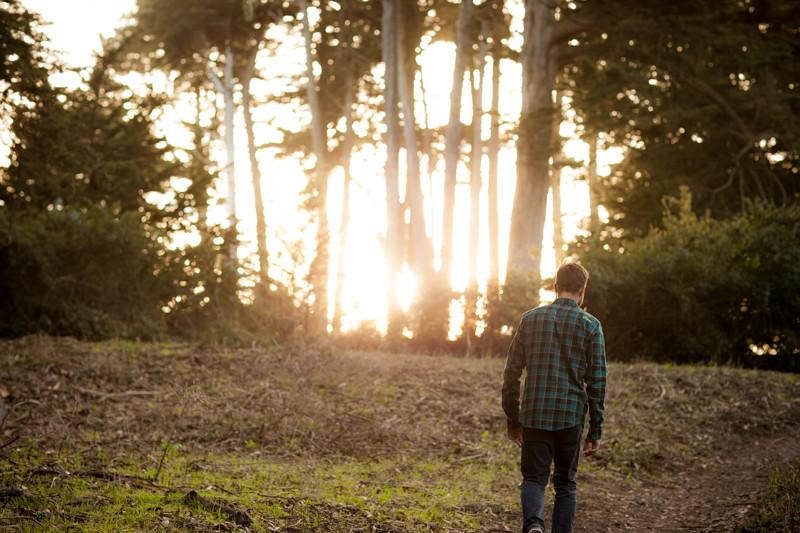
column 116, row 436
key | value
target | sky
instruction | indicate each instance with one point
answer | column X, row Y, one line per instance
column 76, row 28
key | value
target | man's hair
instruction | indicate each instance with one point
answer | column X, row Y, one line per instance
column 571, row 277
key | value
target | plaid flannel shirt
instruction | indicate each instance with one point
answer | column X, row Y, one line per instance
column 563, row 350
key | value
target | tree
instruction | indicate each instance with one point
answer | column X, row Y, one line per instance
column 453, row 133
column 534, row 148
column 319, row 141
column 82, row 248
column 591, row 174
column 476, row 181
column 252, row 150
column 692, row 105
column 393, row 234
column 23, row 61
column 555, row 185
column 347, row 150
column 419, row 245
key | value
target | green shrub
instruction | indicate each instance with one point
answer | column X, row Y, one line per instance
column 83, row 273
column 702, row 289
column 779, row 510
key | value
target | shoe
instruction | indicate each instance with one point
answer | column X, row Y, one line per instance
column 535, row 529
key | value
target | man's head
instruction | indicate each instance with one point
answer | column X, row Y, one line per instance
column 571, row 281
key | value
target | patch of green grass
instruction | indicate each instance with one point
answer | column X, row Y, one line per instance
column 419, row 494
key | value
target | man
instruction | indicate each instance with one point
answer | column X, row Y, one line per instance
column 561, row 346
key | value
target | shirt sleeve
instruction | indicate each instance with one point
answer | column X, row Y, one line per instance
column 515, row 363
column 596, row 382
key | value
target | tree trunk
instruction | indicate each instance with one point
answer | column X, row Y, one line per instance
column 555, row 187
column 393, row 233
column 534, row 146
column 347, row 151
column 319, row 267
column 255, row 173
column 494, row 154
column 453, row 135
column 226, row 86
column 476, row 156
column 493, row 304
column 430, row 161
column 420, row 248
column 594, row 219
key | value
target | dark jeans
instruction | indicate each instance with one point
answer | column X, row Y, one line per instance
column 540, row 448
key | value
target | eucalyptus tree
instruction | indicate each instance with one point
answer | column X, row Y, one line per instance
column 217, row 41
column 592, row 181
column 453, row 134
column 319, row 144
column 394, row 257
column 477, row 72
column 341, row 48
column 550, row 29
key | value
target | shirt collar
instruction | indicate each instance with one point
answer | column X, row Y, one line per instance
column 566, row 301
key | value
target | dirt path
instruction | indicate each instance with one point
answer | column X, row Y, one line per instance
column 711, row 497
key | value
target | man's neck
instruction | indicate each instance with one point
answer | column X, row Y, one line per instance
column 574, row 297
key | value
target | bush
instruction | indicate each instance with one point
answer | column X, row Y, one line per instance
column 86, row 274
column 779, row 510
column 701, row 289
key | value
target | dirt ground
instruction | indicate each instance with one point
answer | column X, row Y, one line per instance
column 116, row 436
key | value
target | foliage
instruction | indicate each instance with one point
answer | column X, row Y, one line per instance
column 23, row 62
column 79, row 243
column 779, row 510
column 711, row 95
column 701, row 289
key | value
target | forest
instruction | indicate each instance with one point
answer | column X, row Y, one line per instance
column 691, row 234
column 242, row 200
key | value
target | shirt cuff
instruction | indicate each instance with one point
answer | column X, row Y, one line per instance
column 594, row 434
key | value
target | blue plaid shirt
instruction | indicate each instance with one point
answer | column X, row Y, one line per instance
column 562, row 348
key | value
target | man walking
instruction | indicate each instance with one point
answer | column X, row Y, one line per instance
column 561, row 346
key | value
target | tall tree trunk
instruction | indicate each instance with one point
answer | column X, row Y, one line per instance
column 533, row 154
column 476, row 156
column 558, row 227
column 393, row 232
column 255, row 173
column 555, row 187
column 493, row 304
column 493, row 148
column 420, row 248
column 594, row 218
column 347, row 152
column 430, row 162
column 453, row 135
column 226, row 87
column 319, row 270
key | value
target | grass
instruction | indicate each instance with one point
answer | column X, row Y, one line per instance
column 778, row 511
column 305, row 440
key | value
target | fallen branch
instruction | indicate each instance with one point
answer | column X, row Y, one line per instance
column 11, row 492
column 106, row 395
column 10, row 441
column 192, row 499
column 97, row 474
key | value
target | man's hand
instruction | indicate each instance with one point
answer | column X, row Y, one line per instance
column 515, row 435
column 591, row 447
